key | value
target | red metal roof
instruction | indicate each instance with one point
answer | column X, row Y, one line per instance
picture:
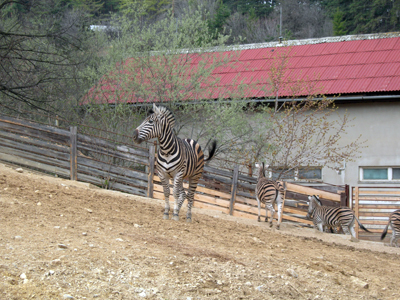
column 343, row 67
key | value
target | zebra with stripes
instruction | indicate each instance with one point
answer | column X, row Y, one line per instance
column 269, row 192
column 333, row 217
column 394, row 222
column 177, row 158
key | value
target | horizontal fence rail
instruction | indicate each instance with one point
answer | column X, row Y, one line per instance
column 373, row 206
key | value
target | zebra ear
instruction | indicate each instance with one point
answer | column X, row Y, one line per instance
column 156, row 109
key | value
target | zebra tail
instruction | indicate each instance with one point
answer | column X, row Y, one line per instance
column 211, row 150
column 385, row 231
column 361, row 225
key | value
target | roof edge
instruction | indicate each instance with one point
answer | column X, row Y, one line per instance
column 331, row 39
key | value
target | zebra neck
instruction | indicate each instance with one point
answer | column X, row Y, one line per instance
column 168, row 143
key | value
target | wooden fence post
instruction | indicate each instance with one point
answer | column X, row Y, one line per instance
column 356, row 201
column 150, row 186
column 234, row 188
column 73, row 153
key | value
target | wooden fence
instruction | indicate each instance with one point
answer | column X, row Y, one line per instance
column 373, row 205
column 130, row 169
column 68, row 154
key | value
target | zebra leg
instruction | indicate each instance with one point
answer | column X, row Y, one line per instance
column 352, row 231
column 272, row 210
column 259, row 208
column 190, row 197
column 165, row 184
column 279, row 204
column 320, row 227
column 179, row 195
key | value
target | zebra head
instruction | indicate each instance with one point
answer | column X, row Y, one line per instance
column 160, row 122
column 312, row 205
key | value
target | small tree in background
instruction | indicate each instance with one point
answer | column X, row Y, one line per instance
column 302, row 133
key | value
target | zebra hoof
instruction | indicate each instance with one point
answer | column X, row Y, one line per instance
column 188, row 220
column 270, row 224
column 166, row 217
column 175, row 217
column 278, row 227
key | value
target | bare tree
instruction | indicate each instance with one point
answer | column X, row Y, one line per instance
column 40, row 53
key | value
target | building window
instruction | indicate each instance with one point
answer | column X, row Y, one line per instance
column 380, row 173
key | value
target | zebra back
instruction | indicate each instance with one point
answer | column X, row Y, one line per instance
column 333, row 216
column 394, row 221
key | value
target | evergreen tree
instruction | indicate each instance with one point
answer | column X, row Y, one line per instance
column 339, row 25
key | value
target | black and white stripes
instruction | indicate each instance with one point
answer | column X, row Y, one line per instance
column 177, row 158
column 394, row 222
column 326, row 216
column 269, row 192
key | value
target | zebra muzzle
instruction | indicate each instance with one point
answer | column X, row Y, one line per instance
column 136, row 137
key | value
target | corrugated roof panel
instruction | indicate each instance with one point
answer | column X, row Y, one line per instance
column 331, row 73
column 296, row 74
column 313, row 74
column 379, row 84
column 261, row 77
column 274, row 53
column 245, row 77
column 397, row 44
column 300, row 50
column 341, row 59
column 359, row 85
column 386, row 44
column 359, row 58
column 323, row 60
column 350, row 46
column 265, row 53
column 378, row 56
column 368, row 45
column 394, row 84
column 332, row 48
column 256, row 65
column 239, row 66
column 393, row 56
column 293, row 61
column 306, row 62
column 339, row 85
column 350, row 71
column 316, row 49
column 389, row 69
column 249, row 54
column 228, row 79
column 369, row 70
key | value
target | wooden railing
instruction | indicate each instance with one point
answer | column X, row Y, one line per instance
column 373, row 205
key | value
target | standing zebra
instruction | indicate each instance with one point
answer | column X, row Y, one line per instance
column 394, row 222
column 325, row 216
column 268, row 192
column 177, row 158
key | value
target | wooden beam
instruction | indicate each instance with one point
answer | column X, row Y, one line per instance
column 234, row 188
column 73, row 153
column 305, row 190
column 152, row 156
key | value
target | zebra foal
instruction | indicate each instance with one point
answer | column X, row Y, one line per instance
column 269, row 192
column 325, row 216
column 176, row 158
column 394, row 222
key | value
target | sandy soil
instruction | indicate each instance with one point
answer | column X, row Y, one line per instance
column 69, row 240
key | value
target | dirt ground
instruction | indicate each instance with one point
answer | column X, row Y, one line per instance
column 69, row 240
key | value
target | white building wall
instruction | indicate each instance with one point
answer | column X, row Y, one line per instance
column 379, row 125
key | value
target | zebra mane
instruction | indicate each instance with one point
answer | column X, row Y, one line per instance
column 165, row 111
